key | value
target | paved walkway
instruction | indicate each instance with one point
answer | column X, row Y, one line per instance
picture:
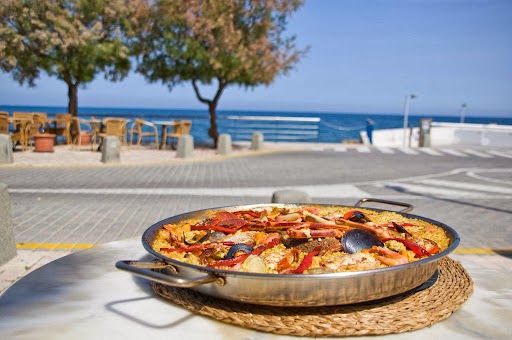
column 30, row 259
column 121, row 199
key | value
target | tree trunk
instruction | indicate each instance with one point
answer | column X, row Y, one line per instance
column 212, row 107
column 212, row 131
column 73, row 99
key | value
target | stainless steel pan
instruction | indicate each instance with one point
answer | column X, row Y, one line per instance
column 289, row 290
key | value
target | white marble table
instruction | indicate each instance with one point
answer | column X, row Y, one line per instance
column 84, row 296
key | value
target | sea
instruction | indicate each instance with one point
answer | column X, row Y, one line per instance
column 328, row 127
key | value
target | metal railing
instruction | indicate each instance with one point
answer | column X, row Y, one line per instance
column 241, row 128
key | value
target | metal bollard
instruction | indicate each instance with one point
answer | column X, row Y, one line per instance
column 7, row 241
column 224, row 144
column 110, row 150
column 185, row 146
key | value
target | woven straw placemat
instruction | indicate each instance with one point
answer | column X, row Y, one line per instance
column 398, row 314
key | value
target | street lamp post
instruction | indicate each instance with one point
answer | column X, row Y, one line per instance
column 462, row 111
column 406, row 117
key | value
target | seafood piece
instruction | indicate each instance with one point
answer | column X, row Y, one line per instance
column 316, row 230
column 253, row 264
column 356, row 216
column 338, row 262
column 315, row 218
column 307, row 233
column 239, row 249
column 358, row 239
column 400, row 228
column 270, row 239
column 380, row 231
column 388, row 256
column 293, row 217
column 242, row 237
column 280, row 259
column 212, row 236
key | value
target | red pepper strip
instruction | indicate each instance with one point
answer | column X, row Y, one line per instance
column 196, row 247
column 214, row 227
column 230, row 262
column 225, row 215
column 255, row 214
column 418, row 250
column 307, row 261
column 233, row 223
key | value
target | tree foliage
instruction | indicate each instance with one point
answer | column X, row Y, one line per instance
column 72, row 40
column 219, row 42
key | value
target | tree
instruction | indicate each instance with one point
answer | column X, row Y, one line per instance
column 219, row 42
column 72, row 40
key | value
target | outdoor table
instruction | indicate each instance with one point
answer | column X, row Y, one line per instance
column 20, row 121
column 84, row 296
column 165, row 124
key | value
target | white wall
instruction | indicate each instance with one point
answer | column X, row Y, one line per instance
column 444, row 134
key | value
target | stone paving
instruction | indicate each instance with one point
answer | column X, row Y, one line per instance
column 28, row 260
column 68, row 200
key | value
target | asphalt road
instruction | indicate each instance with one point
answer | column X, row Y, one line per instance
column 90, row 205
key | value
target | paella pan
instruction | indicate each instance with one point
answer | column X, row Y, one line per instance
column 296, row 254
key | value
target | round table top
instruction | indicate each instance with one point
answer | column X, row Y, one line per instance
column 84, row 296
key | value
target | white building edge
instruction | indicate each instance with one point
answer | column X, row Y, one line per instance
column 443, row 134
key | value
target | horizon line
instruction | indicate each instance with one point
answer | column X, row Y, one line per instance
column 503, row 115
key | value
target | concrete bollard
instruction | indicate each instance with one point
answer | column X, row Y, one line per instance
column 7, row 242
column 425, row 127
column 257, row 141
column 6, row 149
column 185, row 146
column 110, row 150
column 224, row 144
column 290, row 196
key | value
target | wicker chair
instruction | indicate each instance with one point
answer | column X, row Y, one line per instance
column 180, row 128
column 23, row 124
column 137, row 128
column 82, row 129
column 4, row 123
column 63, row 126
column 114, row 127
column 96, row 126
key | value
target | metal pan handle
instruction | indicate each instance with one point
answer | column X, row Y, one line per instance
column 408, row 207
column 143, row 269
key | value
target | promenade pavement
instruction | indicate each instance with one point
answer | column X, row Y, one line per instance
column 28, row 260
column 68, row 200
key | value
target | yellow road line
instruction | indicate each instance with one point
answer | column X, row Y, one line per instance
column 473, row 251
column 55, row 246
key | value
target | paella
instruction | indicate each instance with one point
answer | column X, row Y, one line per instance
column 309, row 239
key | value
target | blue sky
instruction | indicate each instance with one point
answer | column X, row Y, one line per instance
column 365, row 56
